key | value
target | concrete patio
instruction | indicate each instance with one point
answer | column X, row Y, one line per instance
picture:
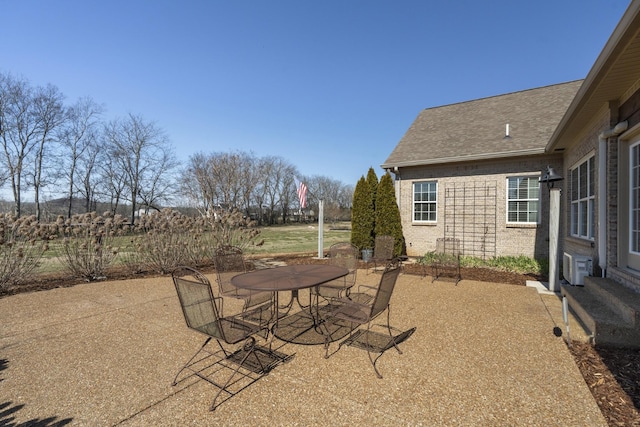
column 102, row 354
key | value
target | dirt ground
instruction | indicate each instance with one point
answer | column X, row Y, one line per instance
column 613, row 375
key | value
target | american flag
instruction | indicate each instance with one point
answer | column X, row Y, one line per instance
column 302, row 195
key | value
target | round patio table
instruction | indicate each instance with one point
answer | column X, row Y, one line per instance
column 289, row 278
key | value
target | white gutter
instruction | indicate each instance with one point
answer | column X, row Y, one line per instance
column 468, row 158
column 602, row 191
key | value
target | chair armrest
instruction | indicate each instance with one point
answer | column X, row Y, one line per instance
column 219, row 302
column 347, row 301
column 373, row 288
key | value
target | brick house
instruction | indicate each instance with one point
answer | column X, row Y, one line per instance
column 461, row 172
column 599, row 140
column 471, row 171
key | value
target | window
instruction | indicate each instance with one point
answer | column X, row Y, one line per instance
column 582, row 194
column 634, row 202
column 425, row 201
column 523, row 200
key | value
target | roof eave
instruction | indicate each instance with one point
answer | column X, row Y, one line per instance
column 460, row 159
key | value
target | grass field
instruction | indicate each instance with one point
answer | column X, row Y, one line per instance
column 299, row 238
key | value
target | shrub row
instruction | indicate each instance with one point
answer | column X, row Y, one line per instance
column 87, row 245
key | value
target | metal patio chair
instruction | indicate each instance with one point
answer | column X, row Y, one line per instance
column 445, row 260
column 382, row 251
column 248, row 362
column 342, row 254
column 355, row 312
column 229, row 261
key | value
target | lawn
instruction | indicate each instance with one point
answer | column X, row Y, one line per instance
column 299, row 238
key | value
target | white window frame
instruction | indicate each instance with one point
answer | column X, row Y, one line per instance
column 582, row 199
column 634, row 198
column 531, row 198
column 432, row 201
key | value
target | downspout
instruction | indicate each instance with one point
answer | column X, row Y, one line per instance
column 397, row 185
column 602, row 192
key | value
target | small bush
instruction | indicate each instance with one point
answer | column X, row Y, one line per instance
column 22, row 243
column 167, row 239
column 162, row 241
column 88, row 249
column 514, row 264
column 437, row 258
column 233, row 229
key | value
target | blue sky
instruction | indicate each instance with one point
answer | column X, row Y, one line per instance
column 331, row 86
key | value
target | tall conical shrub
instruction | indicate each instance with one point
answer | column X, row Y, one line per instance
column 372, row 182
column 387, row 217
column 362, row 216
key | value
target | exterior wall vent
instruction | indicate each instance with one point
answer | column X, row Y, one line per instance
column 575, row 268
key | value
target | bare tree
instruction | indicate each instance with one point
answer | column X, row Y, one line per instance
column 113, row 181
column 158, row 184
column 77, row 137
column 91, row 182
column 264, row 166
column 337, row 196
column 272, row 183
column 288, row 192
column 48, row 112
column 138, row 148
column 263, row 185
column 196, row 184
column 226, row 170
column 18, row 131
column 249, row 177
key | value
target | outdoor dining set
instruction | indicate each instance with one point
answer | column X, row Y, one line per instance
column 243, row 346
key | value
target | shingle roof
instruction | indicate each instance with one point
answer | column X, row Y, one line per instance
column 476, row 129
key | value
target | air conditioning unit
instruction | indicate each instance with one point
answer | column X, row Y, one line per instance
column 575, row 268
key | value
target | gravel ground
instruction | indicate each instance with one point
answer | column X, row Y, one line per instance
column 612, row 375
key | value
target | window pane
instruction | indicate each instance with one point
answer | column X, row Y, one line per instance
column 591, row 173
column 583, row 219
column 424, row 201
column 582, row 181
column 635, row 199
column 533, row 212
column 522, row 195
column 592, row 226
column 582, row 196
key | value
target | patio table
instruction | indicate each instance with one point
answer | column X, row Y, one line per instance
column 288, row 278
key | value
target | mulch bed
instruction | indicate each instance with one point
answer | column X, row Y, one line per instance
column 612, row 374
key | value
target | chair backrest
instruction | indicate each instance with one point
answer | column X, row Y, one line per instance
column 228, row 261
column 344, row 254
column 383, row 248
column 197, row 302
column 448, row 246
column 385, row 288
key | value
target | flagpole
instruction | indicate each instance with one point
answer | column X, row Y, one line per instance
column 302, row 195
column 320, row 229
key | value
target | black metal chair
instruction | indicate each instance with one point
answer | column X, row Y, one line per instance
column 229, row 261
column 342, row 254
column 248, row 363
column 362, row 311
column 445, row 260
column 382, row 251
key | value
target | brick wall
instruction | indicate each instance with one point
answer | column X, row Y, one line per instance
column 529, row 240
